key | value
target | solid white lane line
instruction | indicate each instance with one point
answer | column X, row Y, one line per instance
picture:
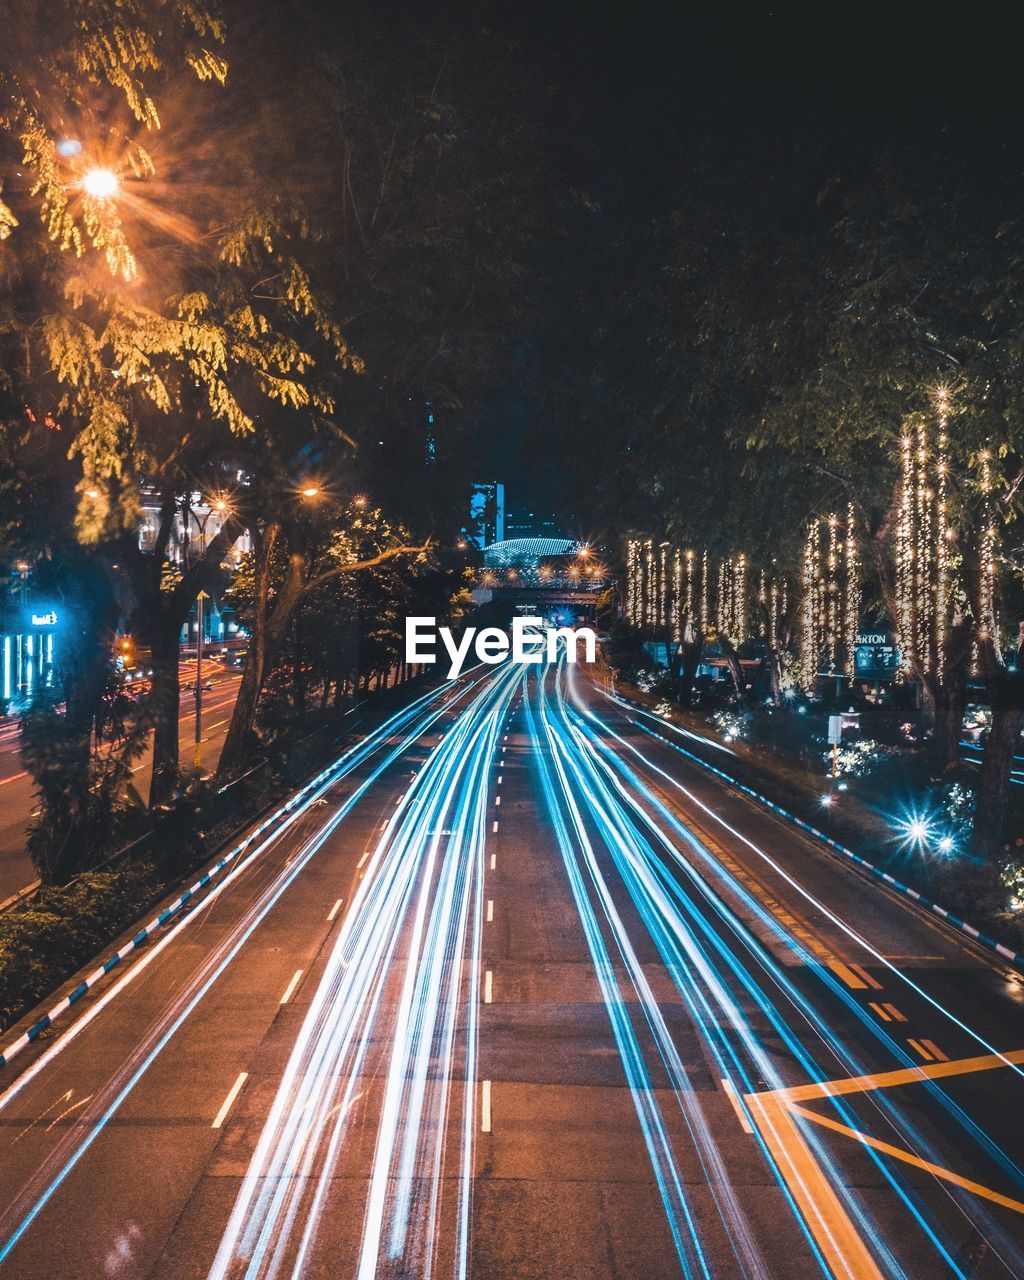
column 233, row 1093
column 289, row 990
column 485, row 1107
column 490, row 910
column 488, row 987
column 335, row 909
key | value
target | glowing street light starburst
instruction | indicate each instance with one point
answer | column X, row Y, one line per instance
column 101, row 184
column 916, row 830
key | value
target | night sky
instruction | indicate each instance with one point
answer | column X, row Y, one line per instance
column 636, row 86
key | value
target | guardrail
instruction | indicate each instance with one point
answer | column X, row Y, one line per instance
column 220, row 807
column 954, row 921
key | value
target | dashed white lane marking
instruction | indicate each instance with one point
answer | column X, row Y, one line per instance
column 494, row 826
column 289, row 990
column 485, row 1107
column 499, row 779
column 497, row 800
column 233, row 1093
column 488, row 987
column 366, row 854
column 335, row 909
column 494, row 860
column 490, row 910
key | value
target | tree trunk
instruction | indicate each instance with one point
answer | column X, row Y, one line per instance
column 879, row 546
column 298, row 668
column 735, row 670
column 993, row 790
column 268, row 634
column 929, row 700
column 953, row 707
column 775, row 671
column 163, row 612
column 953, row 701
column 692, row 651
column 165, row 703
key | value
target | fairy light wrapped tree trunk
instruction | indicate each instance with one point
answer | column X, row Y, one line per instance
column 830, row 600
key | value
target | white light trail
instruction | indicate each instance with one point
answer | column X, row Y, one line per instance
column 396, row 974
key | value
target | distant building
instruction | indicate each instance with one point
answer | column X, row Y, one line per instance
column 486, row 514
column 524, row 520
column 553, row 578
column 201, row 526
column 27, row 655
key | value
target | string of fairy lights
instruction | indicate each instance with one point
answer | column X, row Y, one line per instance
column 831, row 597
column 929, row 563
column 670, row 588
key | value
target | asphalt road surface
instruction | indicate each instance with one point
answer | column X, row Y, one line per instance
column 17, row 800
column 518, row 990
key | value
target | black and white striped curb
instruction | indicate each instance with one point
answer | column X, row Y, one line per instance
column 1015, row 957
column 322, row 780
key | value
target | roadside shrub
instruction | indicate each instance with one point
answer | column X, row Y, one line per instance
column 45, row 942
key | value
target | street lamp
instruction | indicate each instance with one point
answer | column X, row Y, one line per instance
column 101, row 184
column 311, row 491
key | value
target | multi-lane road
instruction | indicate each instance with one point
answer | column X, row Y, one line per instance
column 517, row 989
column 16, row 790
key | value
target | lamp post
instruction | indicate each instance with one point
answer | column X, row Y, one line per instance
column 199, row 682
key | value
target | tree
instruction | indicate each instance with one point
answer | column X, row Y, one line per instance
column 797, row 337
column 152, row 341
column 289, row 566
column 911, row 401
